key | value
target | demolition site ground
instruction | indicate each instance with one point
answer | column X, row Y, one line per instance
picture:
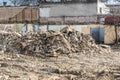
column 50, row 55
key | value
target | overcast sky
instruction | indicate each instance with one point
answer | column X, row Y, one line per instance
column 113, row 2
column 8, row 2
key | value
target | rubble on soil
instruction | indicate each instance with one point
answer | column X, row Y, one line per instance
column 50, row 43
column 79, row 65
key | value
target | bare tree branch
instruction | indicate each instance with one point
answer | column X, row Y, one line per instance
column 25, row 2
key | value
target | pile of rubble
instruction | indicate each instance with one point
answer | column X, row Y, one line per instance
column 49, row 43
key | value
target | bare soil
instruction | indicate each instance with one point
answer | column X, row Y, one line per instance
column 75, row 66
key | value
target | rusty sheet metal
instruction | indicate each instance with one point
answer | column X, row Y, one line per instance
column 112, row 20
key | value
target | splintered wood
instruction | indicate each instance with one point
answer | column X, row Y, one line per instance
column 49, row 43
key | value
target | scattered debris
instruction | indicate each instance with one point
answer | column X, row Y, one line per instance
column 85, row 60
column 49, row 43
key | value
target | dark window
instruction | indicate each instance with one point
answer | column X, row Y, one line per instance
column 100, row 10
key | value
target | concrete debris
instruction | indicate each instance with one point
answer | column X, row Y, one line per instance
column 48, row 43
column 4, row 77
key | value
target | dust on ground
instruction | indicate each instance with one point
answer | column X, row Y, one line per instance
column 65, row 55
column 76, row 66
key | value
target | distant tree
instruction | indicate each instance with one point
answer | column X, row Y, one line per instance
column 117, row 0
column 104, row 0
column 25, row 2
column 31, row 2
column 89, row 1
column 16, row 2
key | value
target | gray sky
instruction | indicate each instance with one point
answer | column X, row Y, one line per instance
column 8, row 2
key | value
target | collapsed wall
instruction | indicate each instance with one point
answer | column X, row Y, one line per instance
column 50, row 42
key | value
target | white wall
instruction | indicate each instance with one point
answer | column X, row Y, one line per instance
column 59, row 27
column 79, row 9
column 43, row 27
column 102, row 8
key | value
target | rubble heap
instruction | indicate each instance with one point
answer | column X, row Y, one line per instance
column 78, row 41
column 49, row 42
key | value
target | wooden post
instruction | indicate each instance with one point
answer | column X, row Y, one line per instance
column 31, row 14
column 23, row 15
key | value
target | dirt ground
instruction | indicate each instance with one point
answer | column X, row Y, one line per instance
column 75, row 66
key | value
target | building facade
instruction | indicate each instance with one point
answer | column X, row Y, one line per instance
column 72, row 12
column 20, row 14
